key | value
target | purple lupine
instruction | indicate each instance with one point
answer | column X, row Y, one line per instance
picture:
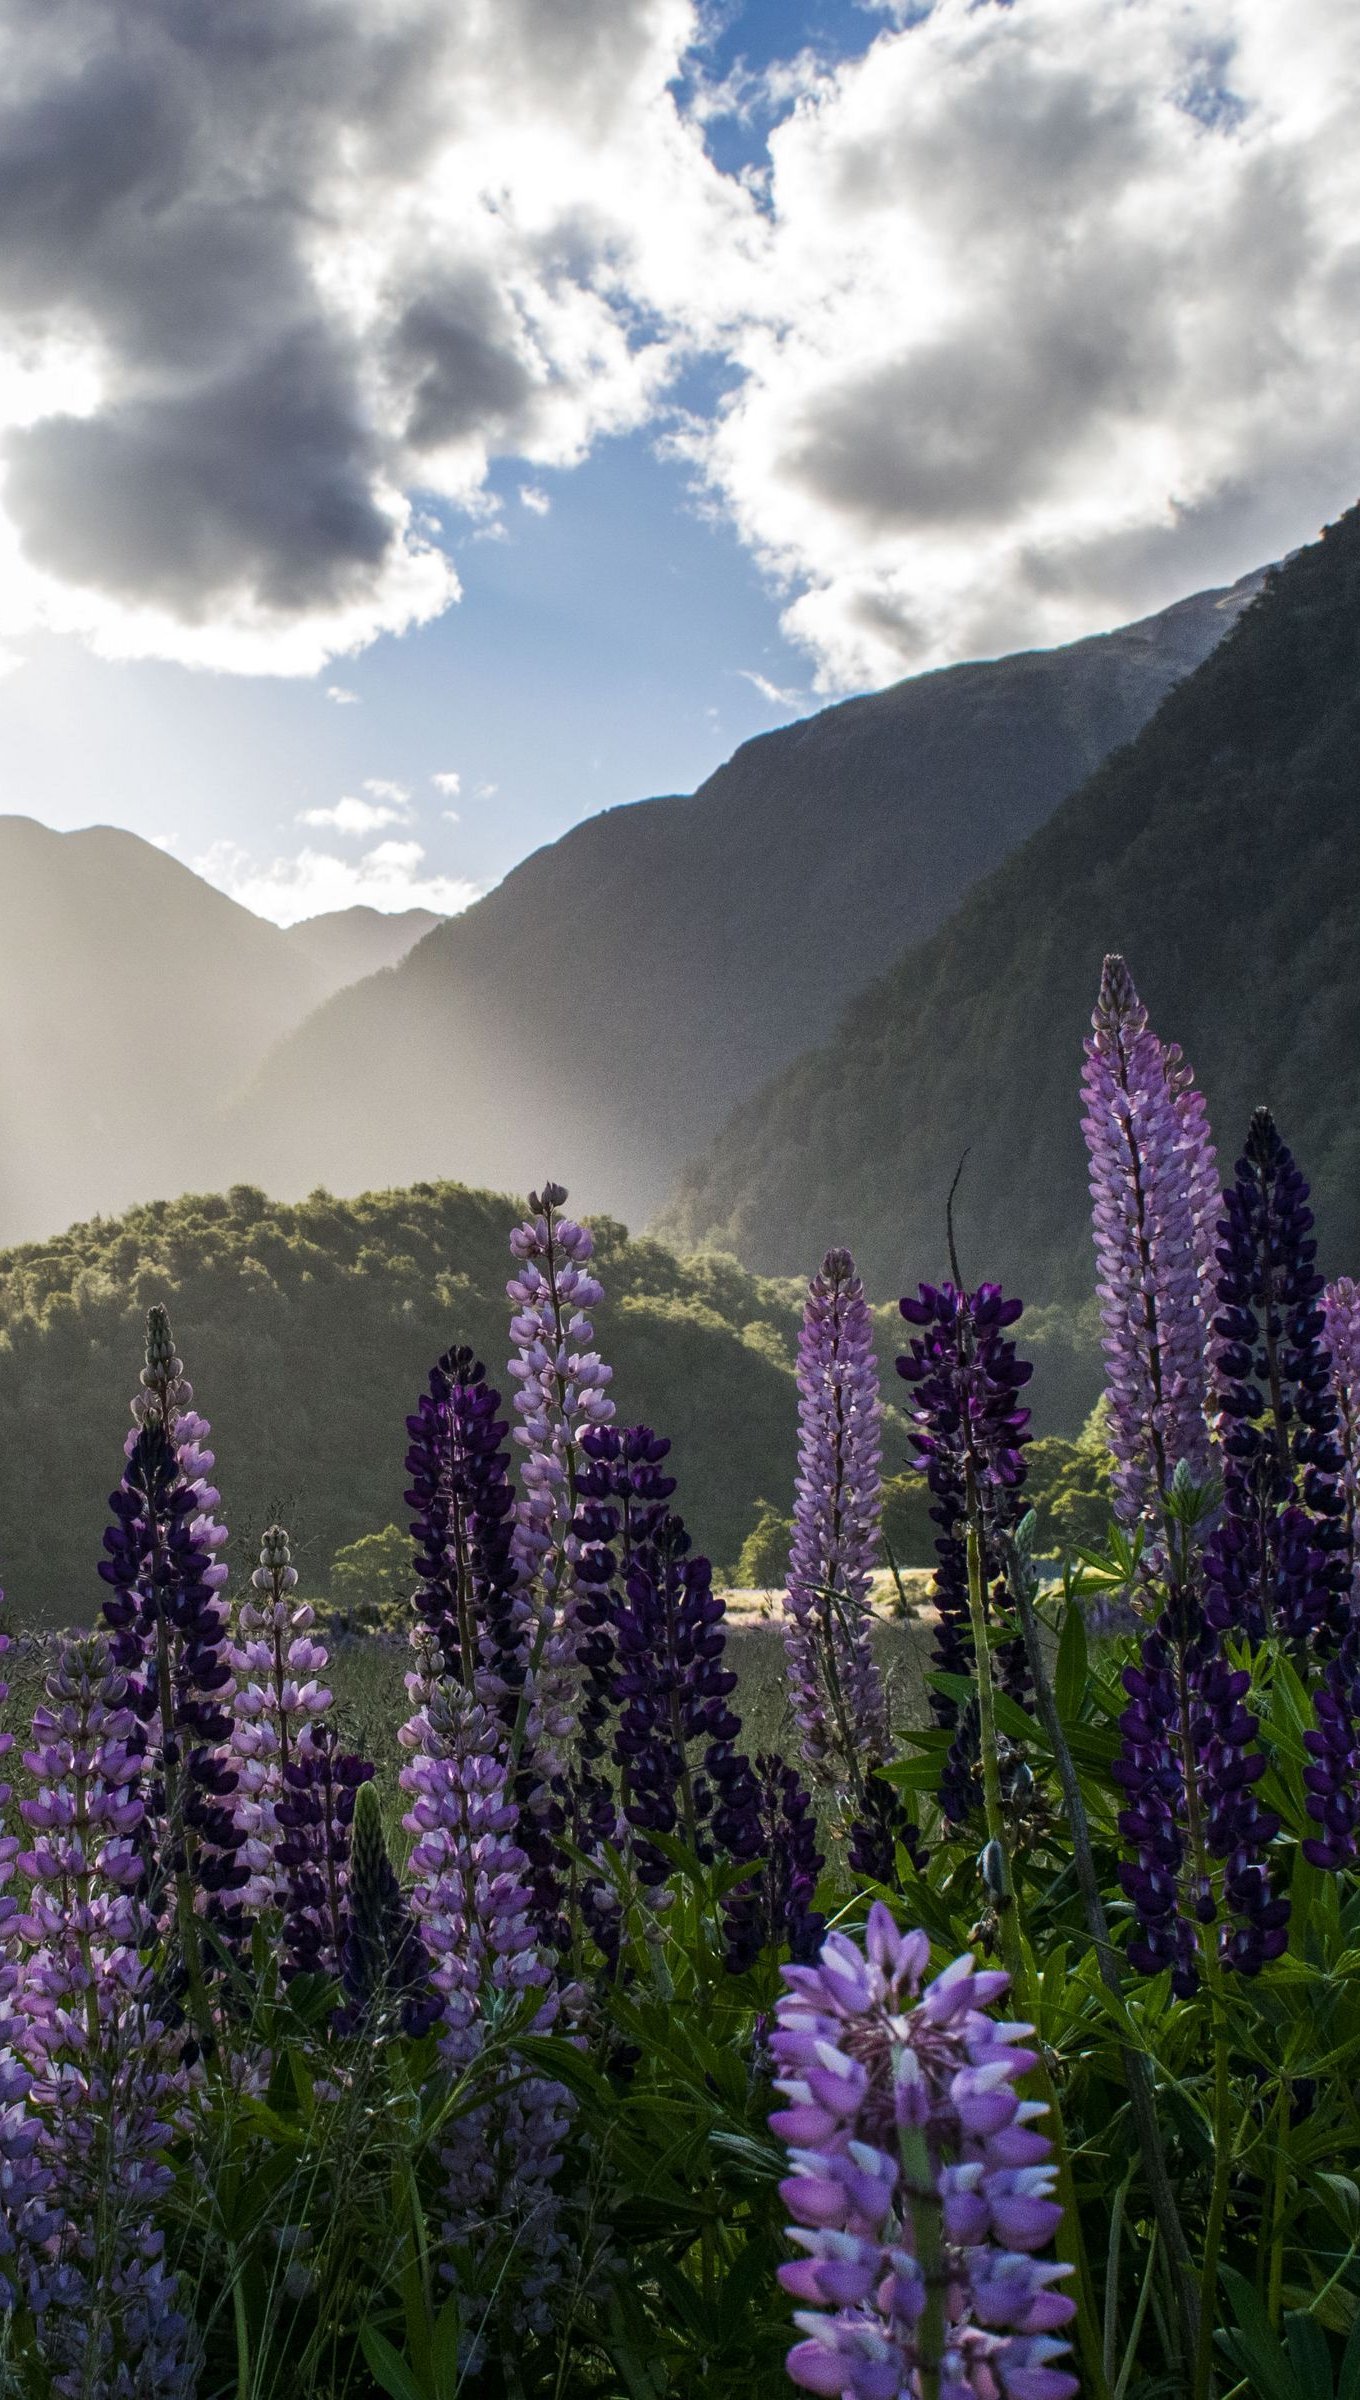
column 622, row 1490
column 1188, row 1769
column 776, row 1906
column 1278, row 1559
column 278, row 1698
column 472, row 1903
column 463, row 1525
column 1332, row 1776
column 1341, row 1305
column 101, row 2091
column 28, row 2219
column 969, row 1433
column 921, row 2190
column 169, row 1623
column 672, row 1686
column 834, row 1683
column 1152, row 1176
column 314, row 1812
column 561, row 1396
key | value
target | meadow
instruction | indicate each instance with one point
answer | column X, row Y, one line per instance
column 625, row 1987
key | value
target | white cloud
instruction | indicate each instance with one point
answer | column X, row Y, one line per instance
column 342, row 698
column 1058, row 316
column 450, row 783
column 778, row 695
column 450, row 816
column 393, row 875
column 380, row 788
column 1039, row 315
column 354, row 816
column 536, row 501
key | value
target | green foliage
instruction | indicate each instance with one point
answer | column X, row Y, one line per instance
column 1068, row 1487
column 763, row 1564
column 307, row 1330
column 370, row 1584
column 907, row 1529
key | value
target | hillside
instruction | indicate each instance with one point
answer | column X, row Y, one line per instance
column 1221, row 854
column 613, row 998
column 348, row 943
column 134, row 998
column 307, row 1332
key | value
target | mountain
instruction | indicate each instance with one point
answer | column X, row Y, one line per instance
column 307, row 1332
column 134, row 999
column 600, row 1012
column 1220, row 853
column 348, row 943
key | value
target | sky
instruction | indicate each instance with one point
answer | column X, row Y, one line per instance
column 424, row 423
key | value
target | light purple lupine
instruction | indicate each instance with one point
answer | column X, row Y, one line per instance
column 1151, row 1169
column 279, row 1697
column 834, row 1683
column 1341, row 1304
column 560, row 1395
column 920, row 2187
column 471, row 1901
column 102, row 2092
column 27, row 2218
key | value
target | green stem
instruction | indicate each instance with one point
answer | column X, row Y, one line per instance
column 928, row 2243
column 1279, row 2193
column 1218, row 2194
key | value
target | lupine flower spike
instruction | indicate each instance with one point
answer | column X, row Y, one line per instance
column 1152, row 1177
column 279, row 1698
column 834, row 1683
column 921, row 2190
column 561, row 1396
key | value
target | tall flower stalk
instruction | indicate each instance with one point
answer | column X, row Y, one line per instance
column 278, row 1700
column 834, row 1683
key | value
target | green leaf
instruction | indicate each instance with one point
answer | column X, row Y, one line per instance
column 1071, row 1671
column 1253, row 2347
column 388, row 2367
column 1309, row 2355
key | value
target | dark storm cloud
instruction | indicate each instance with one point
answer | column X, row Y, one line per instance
column 457, row 344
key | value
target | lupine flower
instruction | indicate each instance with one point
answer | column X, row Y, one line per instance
column 834, row 1683
column 1332, row 1778
column 1183, row 1686
column 472, row 1904
column 1341, row 1306
column 384, row 1964
column 968, row 1431
column 922, row 2192
column 776, row 1906
column 1152, row 1177
column 467, row 1598
column 673, row 1686
column 100, row 2092
column 168, row 1619
column 1278, row 1559
column 314, row 1811
column 28, row 2219
column 561, row 1397
column 278, row 1699
column 622, row 1492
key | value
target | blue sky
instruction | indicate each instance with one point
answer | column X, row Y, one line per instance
column 721, row 359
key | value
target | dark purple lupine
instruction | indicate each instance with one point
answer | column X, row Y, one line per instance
column 968, row 1429
column 622, row 1489
column 102, row 2092
column 672, row 1686
column 314, row 1812
column 467, row 1596
column 1152, row 1186
column 1278, row 1560
column 921, row 2190
column 1341, row 1303
column 776, row 1907
column 169, row 1624
column 1332, row 1776
column 1188, row 1769
column 834, row 1683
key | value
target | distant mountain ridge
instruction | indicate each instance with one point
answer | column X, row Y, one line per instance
column 600, row 1012
column 134, row 998
column 346, row 944
column 1220, row 852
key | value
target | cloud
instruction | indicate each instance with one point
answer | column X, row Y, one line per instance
column 536, row 501
column 450, row 783
column 1060, row 317
column 353, row 816
column 275, row 281
column 778, row 696
column 393, row 875
column 1036, row 315
column 381, row 788
column 450, row 816
column 342, row 698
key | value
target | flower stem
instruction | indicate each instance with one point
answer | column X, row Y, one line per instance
column 1218, row 2194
